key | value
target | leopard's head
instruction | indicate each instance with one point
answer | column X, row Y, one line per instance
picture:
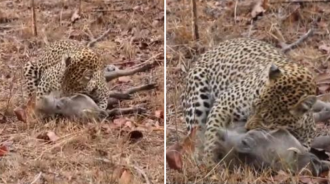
column 286, row 100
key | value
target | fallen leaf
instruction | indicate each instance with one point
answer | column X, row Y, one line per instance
column 48, row 136
column 126, row 177
column 20, row 114
column 135, row 135
column 174, row 152
column 259, row 8
column 3, row 150
column 159, row 114
column 124, row 79
column 174, row 157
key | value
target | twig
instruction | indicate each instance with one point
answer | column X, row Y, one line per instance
column 235, row 11
column 194, row 20
column 93, row 41
column 143, row 174
column 34, row 23
column 287, row 47
column 36, row 178
column 118, row 73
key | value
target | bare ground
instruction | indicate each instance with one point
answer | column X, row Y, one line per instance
column 282, row 22
column 91, row 152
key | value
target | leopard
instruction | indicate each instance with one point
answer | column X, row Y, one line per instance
column 67, row 67
column 251, row 81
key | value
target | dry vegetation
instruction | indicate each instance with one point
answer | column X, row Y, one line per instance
column 277, row 22
column 72, row 152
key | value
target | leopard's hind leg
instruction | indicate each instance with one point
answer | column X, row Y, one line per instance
column 32, row 75
column 197, row 98
column 197, row 101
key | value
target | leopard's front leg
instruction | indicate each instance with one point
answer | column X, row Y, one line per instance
column 219, row 118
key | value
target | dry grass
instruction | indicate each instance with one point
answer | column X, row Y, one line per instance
column 282, row 22
column 84, row 153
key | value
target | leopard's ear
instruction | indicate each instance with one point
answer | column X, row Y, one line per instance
column 88, row 75
column 66, row 59
column 274, row 72
column 304, row 105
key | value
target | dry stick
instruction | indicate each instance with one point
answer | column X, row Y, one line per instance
column 140, row 68
column 34, row 23
column 235, row 11
column 115, row 74
column 194, row 20
column 287, row 47
column 93, row 41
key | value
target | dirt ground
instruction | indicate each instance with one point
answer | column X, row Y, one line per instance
column 277, row 22
column 83, row 152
